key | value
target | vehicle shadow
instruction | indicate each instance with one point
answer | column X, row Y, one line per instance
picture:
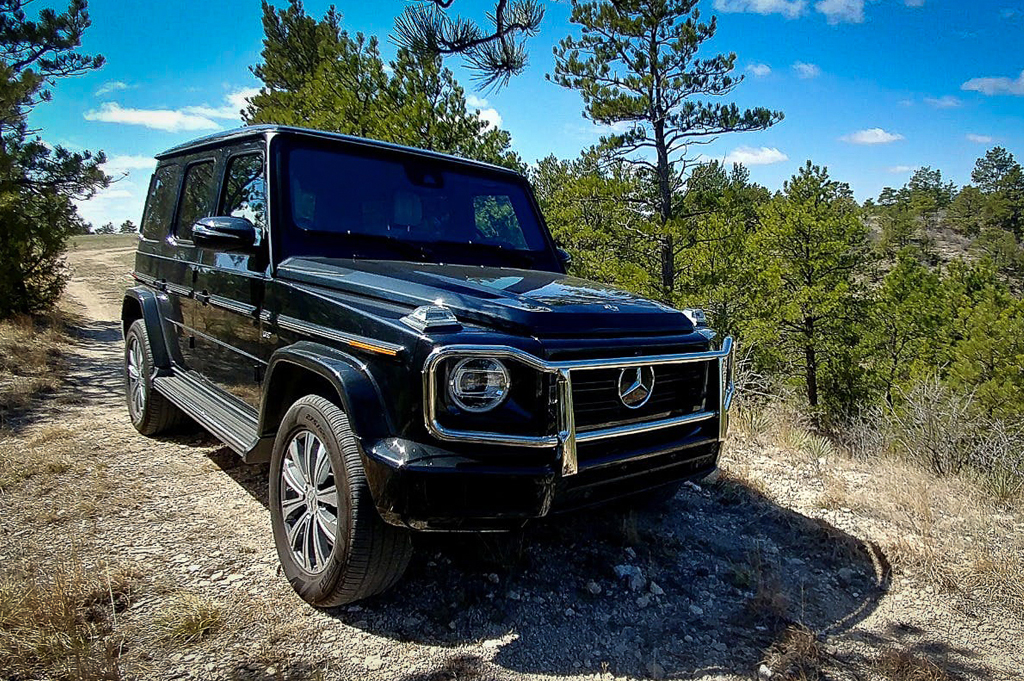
column 705, row 584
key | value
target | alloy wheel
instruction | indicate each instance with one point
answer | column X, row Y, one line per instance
column 136, row 379
column 309, row 501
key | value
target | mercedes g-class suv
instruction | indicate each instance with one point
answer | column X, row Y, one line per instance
column 394, row 331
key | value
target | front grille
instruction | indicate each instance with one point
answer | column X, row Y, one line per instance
column 678, row 389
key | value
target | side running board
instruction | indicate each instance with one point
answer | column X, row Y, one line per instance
column 232, row 422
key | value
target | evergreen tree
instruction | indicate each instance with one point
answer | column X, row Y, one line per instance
column 812, row 253
column 317, row 75
column 636, row 64
column 38, row 183
column 128, row 227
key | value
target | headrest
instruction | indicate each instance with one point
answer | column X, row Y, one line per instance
column 408, row 209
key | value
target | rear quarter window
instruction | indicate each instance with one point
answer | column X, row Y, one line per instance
column 156, row 218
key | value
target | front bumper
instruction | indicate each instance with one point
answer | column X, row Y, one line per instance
column 436, row 490
column 496, row 481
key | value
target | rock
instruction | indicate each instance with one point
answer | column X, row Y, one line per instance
column 271, row 671
column 696, row 610
column 593, row 588
column 643, row 602
column 655, row 589
column 655, row 670
column 373, row 662
column 234, row 578
column 763, row 672
column 846, row 575
column 630, row 553
column 632, row 574
column 216, row 576
column 569, row 612
column 493, row 578
column 688, row 638
column 691, row 485
column 514, row 595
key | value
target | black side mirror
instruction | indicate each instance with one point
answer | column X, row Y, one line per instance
column 564, row 256
column 224, row 233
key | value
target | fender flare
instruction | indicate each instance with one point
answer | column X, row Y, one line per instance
column 149, row 304
column 350, row 377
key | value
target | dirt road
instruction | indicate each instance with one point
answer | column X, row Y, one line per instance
column 718, row 584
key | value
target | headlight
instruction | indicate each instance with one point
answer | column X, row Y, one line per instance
column 478, row 384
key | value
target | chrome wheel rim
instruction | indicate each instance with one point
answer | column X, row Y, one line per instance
column 309, row 501
column 136, row 379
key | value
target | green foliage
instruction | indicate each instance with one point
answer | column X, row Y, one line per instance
column 128, row 227
column 38, row 183
column 635, row 65
column 317, row 75
column 106, row 228
column 811, row 250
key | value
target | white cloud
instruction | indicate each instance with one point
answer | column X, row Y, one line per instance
column 838, row 11
column 872, row 136
column 980, row 139
column 189, row 118
column 759, row 70
column 906, row 102
column 805, row 70
column 902, row 170
column 488, row 115
column 996, row 86
column 944, row 102
column 128, row 162
column 234, row 102
column 111, row 86
column 755, row 156
column 791, row 9
column 156, row 119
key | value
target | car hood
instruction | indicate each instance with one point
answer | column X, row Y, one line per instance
column 526, row 301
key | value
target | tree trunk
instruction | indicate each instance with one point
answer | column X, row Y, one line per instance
column 668, row 264
column 811, row 360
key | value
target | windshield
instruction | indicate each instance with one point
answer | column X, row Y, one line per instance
column 372, row 204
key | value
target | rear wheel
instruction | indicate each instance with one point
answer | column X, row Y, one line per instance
column 333, row 546
column 151, row 413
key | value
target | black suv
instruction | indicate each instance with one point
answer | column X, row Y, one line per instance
column 394, row 331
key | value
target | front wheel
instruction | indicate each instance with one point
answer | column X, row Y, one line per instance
column 333, row 546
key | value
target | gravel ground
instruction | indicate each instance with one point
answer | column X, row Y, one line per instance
column 708, row 586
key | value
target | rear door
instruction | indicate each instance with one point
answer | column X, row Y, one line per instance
column 230, row 285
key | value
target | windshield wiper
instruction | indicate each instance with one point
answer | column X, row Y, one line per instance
column 420, row 252
column 521, row 257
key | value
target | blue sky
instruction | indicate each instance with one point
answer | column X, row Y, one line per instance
column 870, row 88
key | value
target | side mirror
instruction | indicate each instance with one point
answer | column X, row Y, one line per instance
column 224, row 233
column 564, row 256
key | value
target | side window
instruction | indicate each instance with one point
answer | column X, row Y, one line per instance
column 195, row 200
column 496, row 220
column 156, row 222
column 244, row 193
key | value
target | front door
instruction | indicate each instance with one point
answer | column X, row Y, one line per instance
column 229, row 287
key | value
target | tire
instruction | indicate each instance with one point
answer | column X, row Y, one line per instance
column 366, row 556
column 150, row 412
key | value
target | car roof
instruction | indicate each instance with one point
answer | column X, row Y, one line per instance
column 261, row 131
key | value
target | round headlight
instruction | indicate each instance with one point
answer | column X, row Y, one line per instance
column 478, row 384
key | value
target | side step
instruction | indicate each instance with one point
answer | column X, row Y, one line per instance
column 231, row 421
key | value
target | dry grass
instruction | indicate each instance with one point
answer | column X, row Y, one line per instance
column 61, row 623
column 902, row 665
column 31, row 361
column 188, row 618
column 796, row 656
column 103, row 242
column 47, row 451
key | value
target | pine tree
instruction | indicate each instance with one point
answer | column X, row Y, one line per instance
column 38, row 183
column 636, row 65
column 812, row 251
